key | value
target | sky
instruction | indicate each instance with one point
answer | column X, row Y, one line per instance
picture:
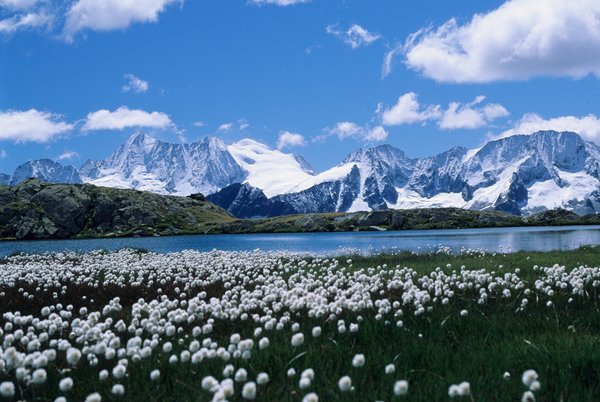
column 319, row 78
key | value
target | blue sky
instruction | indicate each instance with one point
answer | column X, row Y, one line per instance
column 78, row 77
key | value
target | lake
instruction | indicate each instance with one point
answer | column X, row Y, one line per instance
column 455, row 240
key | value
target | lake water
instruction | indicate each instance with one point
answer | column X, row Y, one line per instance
column 491, row 239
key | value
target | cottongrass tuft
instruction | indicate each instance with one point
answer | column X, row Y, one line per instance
column 401, row 387
column 249, row 390
column 345, row 384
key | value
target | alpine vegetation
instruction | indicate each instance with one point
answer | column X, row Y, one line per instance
column 236, row 326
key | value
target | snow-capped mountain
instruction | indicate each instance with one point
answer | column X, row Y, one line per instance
column 145, row 163
column 46, row 170
column 522, row 174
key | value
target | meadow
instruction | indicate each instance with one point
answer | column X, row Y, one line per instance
column 238, row 326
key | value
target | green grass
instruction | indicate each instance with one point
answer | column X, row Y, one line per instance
column 433, row 351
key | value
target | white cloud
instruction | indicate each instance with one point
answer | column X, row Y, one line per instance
column 519, row 40
column 68, row 155
column 31, row 126
column 243, row 124
column 282, row 3
column 467, row 116
column 587, row 126
column 347, row 129
column 289, row 139
column 134, row 84
column 199, row 123
column 25, row 21
column 109, row 15
column 3, row 154
column 17, row 4
column 408, row 111
column 471, row 115
column 376, row 134
column 124, row 117
column 355, row 36
column 389, row 58
column 225, row 127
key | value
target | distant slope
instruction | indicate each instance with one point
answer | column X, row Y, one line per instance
column 38, row 210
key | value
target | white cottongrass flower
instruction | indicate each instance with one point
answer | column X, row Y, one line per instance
column 316, row 332
column 462, row 389
column 263, row 343
column 345, row 383
column 528, row 397
column 291, row 372
column 94, row 397
column 390, row 369
column 304, row 382
column 308, row 373
column 39, row 376
column 401, row 387
column 119, row 371
column 118, row 390
column 209, row 383
column 311, row 397
column 358, row 360
column 7, row 389
column 297, row 339
column 66, row 384
column 464, row 313
column 155, row 375
column 241, row 375
column 249, row 390
column 535, row 386
column 529, row 376
column 506, row 375
column 262, row 378
column 73, row 356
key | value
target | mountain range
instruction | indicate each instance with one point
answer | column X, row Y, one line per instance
column 521, row 174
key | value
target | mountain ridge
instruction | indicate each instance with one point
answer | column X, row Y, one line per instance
column 520, row 174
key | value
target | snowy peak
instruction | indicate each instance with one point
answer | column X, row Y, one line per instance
column 273, row 171
column 46, row 170
column 145, row 163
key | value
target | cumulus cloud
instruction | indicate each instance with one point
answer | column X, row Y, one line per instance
column 109, row 15
column 376, row 134
column 17, row 4
column 587, row 126
column 355, row 36
column 31, row 126
column 289, row 139
column 134, row 84
column 408, row 110
column 468, row 116
column 124, row 117
column 519, row 40
column 345, row 129
column 281, row 3
column 68, row 155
